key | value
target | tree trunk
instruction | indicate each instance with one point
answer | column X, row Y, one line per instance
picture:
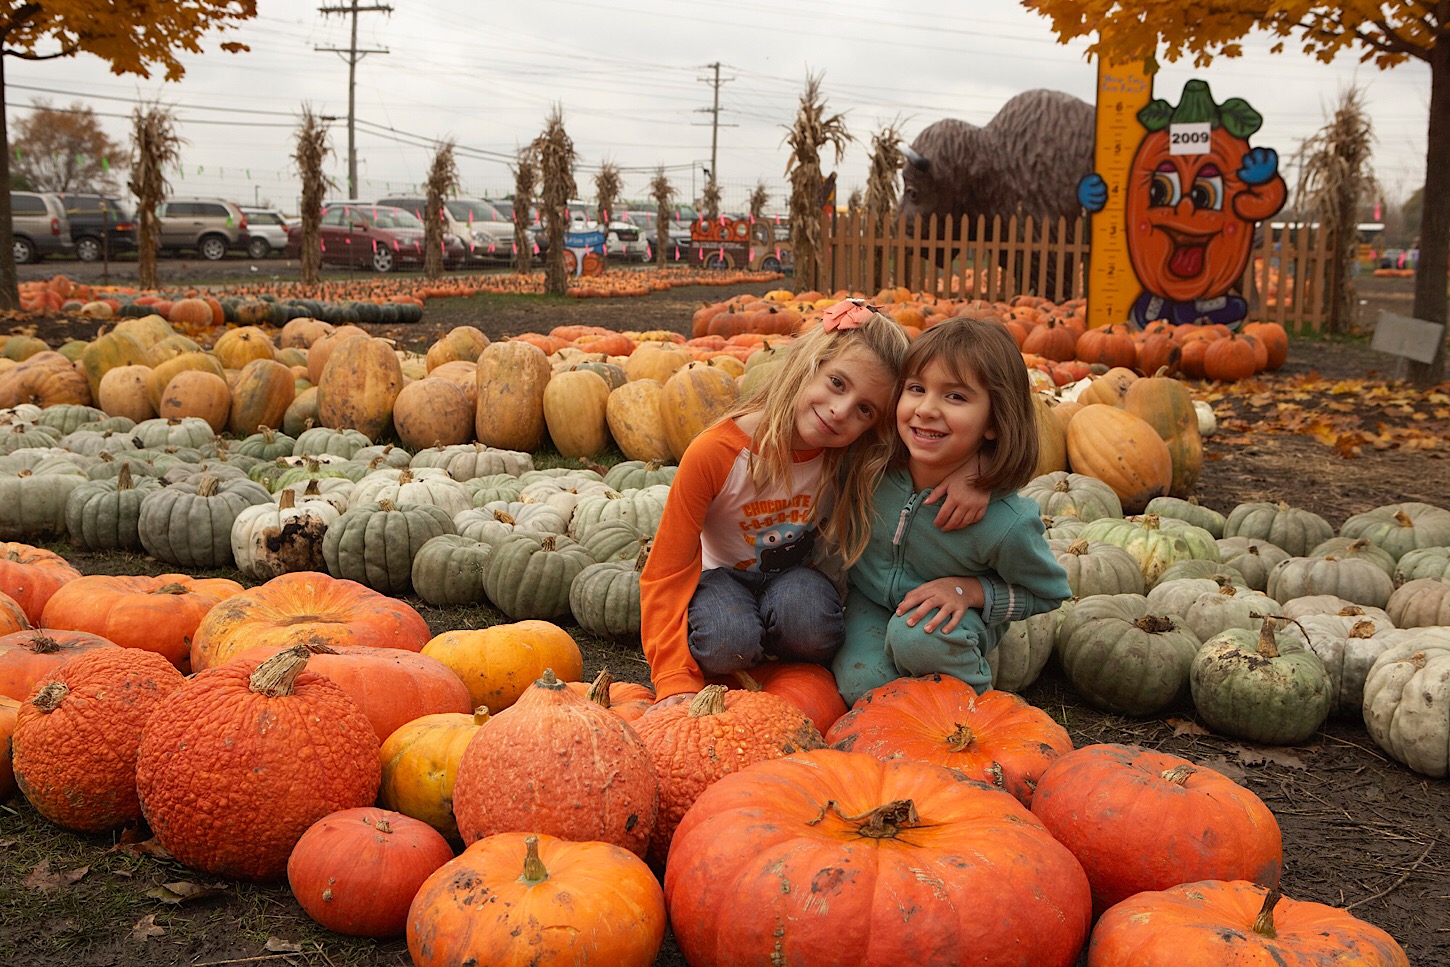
column 9, row 281
column 1433, row 270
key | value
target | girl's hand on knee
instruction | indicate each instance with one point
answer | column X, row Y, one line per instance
column 950, row 598
column 665, row 703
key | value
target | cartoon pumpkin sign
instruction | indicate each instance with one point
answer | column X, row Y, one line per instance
column 1194, row 192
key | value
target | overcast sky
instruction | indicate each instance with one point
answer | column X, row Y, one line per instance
column 631, row 78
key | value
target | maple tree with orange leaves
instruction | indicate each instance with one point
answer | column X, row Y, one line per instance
column 1384, row 33
column 134, row 38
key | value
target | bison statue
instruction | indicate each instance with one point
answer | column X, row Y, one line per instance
column 1027, row 160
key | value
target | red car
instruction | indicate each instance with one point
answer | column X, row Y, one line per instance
column 372, row 236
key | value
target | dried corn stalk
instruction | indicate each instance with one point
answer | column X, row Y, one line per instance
column 886, row 161
column 555, row 151
column 607, row 184
column 759, row 198
column 1335, row 174
column 710, row 199
column 663, row 193
column 312, row 150
column 155, row 147
column 442, row 182
column 526, row 175
column 812, row 131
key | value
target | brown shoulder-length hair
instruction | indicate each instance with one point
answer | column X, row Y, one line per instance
column 985, row 350
column 852, row 472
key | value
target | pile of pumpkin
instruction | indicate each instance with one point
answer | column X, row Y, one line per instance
column 784, row 827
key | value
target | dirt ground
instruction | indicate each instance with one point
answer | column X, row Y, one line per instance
column 1360, row 831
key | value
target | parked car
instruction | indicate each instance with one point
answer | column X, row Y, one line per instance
column 535, row 230
column 38, row 222
column 266, row 231
column 486, row 234
column 679, row 233
column 100, row 226
column 378, row 237
column 623, row 238
column 208, row 226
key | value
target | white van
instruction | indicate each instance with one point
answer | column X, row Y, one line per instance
column 483, row 229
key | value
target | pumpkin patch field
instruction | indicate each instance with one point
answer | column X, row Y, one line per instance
column 439, row 638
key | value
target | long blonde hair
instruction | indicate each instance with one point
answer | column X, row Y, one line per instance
column 854, row 470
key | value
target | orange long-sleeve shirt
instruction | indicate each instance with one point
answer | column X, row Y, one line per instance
column 715, row 517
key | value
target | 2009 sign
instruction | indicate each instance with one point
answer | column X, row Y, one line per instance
column 1189, row 138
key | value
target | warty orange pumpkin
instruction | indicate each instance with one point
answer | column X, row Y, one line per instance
column 31, row 575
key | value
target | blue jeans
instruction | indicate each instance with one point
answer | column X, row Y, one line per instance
column 738, row 617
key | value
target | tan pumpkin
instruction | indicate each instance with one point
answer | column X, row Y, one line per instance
column 45, row 379
column 461, row 343
column 323, row 347
column 1165, row 404
column 433, row 412
column 654, row 360
column 693, row 399
column 107, row 352
column 123, row 392
column 361, row 380
column 1109, row 388
column 146, row 330
column 237, row 347
column 575, row 406
column 1051, row 437
column 1121, row 450
column 164, row 372
column 511, row 379
column 636, row 421
column 263, row 391
column 464, row 375
column 302, row 332
column 169, row 348
column 196, row 392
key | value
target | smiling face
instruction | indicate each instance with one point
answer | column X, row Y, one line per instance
column 944, row 420
column 1185, row 239
column 845, row 397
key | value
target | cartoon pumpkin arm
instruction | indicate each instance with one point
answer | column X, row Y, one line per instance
column 1264, row 189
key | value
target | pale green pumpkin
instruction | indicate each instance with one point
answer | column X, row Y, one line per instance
column 1122, row 657
column 1296, row 530
column 449, row 569
column 104, row 514
column 1251, row 557
column 32, row 501
column 1189, row 510
column 189, row 524
column 1406, row 695
column 374, row 544
column 1260, row 686
column 1063, row 494
column 161, row 432
column 1096, row 567
column 529, row 574
column 637, row 474
column 1401, row 528
column 1355, row 579
column 1025, row 649
column 466, row 461
column 319, row 440
column 643, row 508
column 604, row 598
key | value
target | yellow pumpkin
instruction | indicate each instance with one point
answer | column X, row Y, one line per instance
column 420, row 765
column 461, row 343
column 655, row 360
column 361, row 380
column 636, row 421
column 263, row 391
column 163, row 373
column 574, row 409
column 237, row 347
column 694, row 398
column 511, row 378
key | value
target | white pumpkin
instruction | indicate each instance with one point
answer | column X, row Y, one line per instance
column 1407, row 700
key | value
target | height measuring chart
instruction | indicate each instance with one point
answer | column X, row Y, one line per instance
column 1123, row 91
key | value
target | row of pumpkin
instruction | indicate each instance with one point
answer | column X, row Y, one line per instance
column 562, row 790
column 466, row 523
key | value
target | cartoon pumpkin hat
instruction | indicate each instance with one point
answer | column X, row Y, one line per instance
column 1234, row 115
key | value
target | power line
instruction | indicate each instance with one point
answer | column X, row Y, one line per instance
column 354, row 54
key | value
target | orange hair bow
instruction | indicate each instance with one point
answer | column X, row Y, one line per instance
column 847, row 314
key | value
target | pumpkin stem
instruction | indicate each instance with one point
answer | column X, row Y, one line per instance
column 599, row 689
column 275, row 676
column 1362, row 629
column 642, row 557
column 710, row 701
column 962, row 737
column 883, row 822
column 1264, row 922
column 172, row 588
column 1178, row 775
column 1078, row 547
column 534, row 870
column 287, row 499
column 549, row 680
column 503, row 518
column 50, row 696
column 207, row 487
column 42, row 645
column 387, row 506
column 548, row 543
column 1061, row 487
column 123, row 478
column 748, row 681
column 1227, row 590
column 382, row 826
column 313, row 490
column 405, row 476
column 1150, row 522
column 1403, row 519
column 480, row 715
column 1267, row 646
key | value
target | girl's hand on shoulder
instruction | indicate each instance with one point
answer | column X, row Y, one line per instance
column 961, row 502
column 950, row 598
column 664, row 703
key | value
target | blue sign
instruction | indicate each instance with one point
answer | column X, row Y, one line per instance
column 590, row 241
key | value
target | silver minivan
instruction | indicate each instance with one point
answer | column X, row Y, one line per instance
column 38, row 222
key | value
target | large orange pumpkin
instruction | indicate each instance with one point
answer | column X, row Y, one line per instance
column 393, row 686
column 556, row 763
column 1121, row 450
column 808, row 686
column 306, row 607
column 1143, row 820
column 12, row 615
column 8, row 709
column 219, row 774
column 509, row 414
column 157, row 614
column 1215, row 923
column 520, row 898
column 358, row 385
column 76, row 737
column 28, row 658
column 31, row 575
column 995, row 737
column 695, row 397
column 838, row 851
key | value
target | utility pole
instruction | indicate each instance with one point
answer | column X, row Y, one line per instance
column 353, row 56
column 714, row 111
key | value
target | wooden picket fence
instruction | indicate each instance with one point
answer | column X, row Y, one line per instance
column 1284, row 282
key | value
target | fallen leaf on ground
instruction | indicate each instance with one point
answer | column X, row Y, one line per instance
column 1224, row 767
column 1187, row 727
column 146, row 928
column 276, row 945
column 43, row 879
column 1258, row 755
column 184, row 891
column 147, row 847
